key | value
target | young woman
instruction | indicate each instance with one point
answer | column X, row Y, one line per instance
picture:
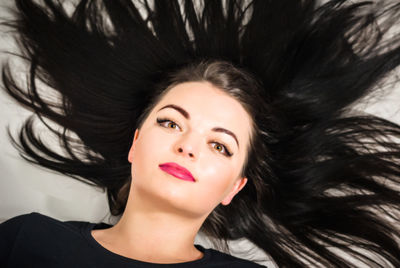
column 231, row 117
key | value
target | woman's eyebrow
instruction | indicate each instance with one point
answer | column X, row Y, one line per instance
column 187, row 116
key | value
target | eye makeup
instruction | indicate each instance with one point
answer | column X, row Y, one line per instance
column 185, row 114
column 226, row 152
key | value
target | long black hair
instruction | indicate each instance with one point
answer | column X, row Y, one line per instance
column 323, row 180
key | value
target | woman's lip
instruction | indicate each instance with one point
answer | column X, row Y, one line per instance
column 177, row 171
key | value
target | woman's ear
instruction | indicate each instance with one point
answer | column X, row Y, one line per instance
column 130, row 154
column 239, row 184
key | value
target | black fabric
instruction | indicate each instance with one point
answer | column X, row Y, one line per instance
column 36, row 240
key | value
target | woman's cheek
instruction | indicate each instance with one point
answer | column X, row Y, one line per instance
column 142, row 156
column 218, row 179
column 151, row 149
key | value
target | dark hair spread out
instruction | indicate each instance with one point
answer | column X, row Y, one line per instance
column 323, row 179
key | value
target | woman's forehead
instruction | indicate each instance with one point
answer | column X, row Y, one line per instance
column 202, row 99
column 195, row 95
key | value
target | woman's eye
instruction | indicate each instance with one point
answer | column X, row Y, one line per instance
column 222, row 148
column 170, row 123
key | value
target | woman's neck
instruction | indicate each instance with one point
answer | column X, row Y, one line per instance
column 152, row 232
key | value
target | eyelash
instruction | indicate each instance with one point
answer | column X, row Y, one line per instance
column 160, row 121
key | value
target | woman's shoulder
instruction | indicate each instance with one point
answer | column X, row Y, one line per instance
column 29, row 219
column 15, row 223
column 31, row 216
column 37, row 224
column 28, row 237
column 16, row 229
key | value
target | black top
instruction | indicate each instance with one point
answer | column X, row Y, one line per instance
column 36, row 240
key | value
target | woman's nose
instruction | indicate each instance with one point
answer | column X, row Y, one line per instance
column 186, row 152
column 188, row 146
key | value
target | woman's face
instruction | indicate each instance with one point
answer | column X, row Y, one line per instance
column 188, row 139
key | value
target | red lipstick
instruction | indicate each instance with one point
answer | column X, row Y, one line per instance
column 177, row 171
